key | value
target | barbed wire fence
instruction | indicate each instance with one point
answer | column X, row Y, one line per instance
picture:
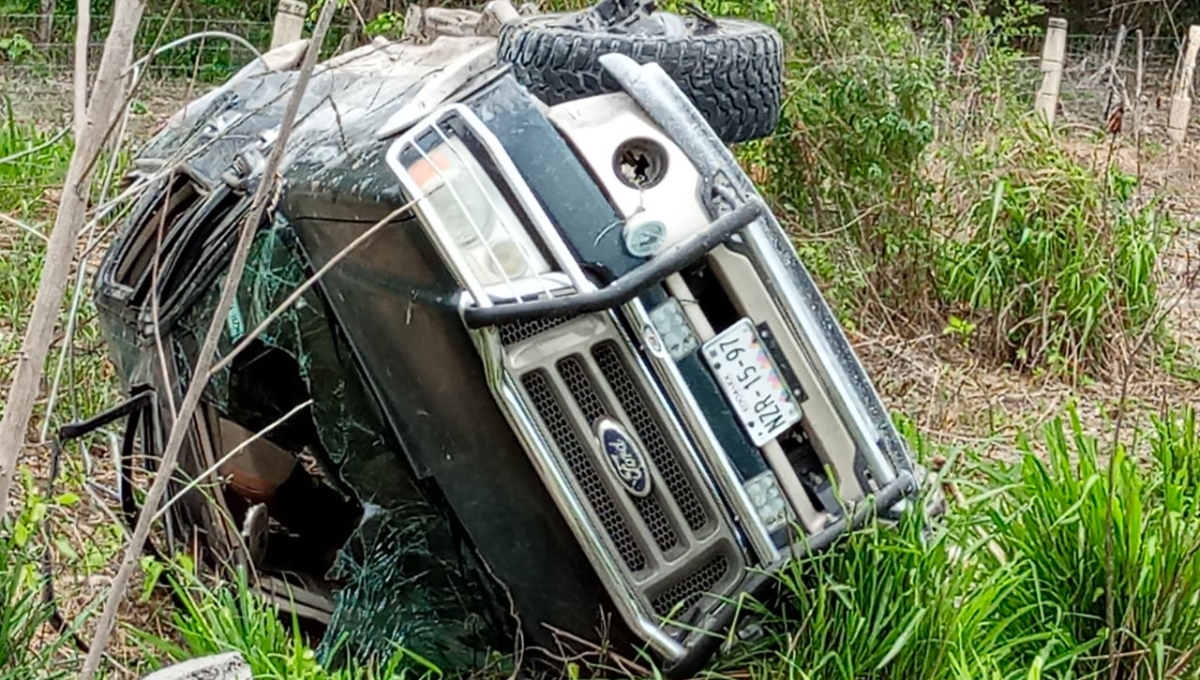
column 36, row 77
column 1099, row 77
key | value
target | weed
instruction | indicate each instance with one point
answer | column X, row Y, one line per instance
column 16, row 47
column 37, row 161
column 25, row 650
column 1049, row 260
column 1016, row 581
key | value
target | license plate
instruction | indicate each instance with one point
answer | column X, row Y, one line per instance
column 751, row 382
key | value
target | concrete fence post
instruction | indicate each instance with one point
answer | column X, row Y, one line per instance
column 1181, row 98
column 289, row 22
column 1054, row 53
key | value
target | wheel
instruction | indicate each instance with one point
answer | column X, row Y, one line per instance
column 731, row 69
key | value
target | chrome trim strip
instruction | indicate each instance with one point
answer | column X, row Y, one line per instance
column 556, row 479
column 814, row 342
column 714, row 455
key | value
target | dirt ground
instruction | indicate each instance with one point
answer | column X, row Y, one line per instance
column 953, row 397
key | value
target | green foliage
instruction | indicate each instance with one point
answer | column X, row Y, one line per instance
column 25, row 652
column 1050, row 263
column 888, row 603
column 1053, row 255
column 389, row 24
column 844, row 166
column 36, row 161
column 15, row 47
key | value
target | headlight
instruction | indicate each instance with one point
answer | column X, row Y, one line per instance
column 465, row 204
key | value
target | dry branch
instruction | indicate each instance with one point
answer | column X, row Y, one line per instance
column 191, row 399
column 72, row 208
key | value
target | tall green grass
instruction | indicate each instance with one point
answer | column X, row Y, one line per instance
column 1081, row 564
column 1111, row 543
column 33, row 164
column 29, row 647
column 1076, row 566
column 41, row 163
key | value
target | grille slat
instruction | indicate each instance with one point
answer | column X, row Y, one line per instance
column 617, row 375
column 561, row 432
column 592, row 405
column 512, row 333
column 692, row 587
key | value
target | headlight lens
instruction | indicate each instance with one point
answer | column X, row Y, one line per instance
column 464, row 203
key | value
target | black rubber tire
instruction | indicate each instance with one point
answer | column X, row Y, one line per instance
column 733, row 74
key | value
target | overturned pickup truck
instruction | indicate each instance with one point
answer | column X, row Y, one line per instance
column 562, row 384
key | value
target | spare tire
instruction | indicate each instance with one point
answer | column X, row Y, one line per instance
column 731, row 69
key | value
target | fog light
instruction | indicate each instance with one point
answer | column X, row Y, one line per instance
column 672, row 324
column 768, row 500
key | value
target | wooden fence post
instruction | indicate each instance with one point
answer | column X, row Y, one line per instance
column 1181, row 99
column 289, row 22
column 1053, row 54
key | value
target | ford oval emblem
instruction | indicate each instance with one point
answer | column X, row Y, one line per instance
column 624, row 456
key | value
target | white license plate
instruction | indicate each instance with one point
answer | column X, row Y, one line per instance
column 751, row 382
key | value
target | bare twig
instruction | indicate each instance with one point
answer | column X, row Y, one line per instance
column 229, row 456
column 7, row 219
column 60, row 249
column 180, row 426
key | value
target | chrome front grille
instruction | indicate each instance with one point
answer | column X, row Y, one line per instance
column 609, row 360
column 581, row 388
column 673, row 542
column 583, row 467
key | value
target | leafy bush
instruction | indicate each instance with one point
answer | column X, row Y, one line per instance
column 15, row 47
column 844, row 167
column 1048, row 259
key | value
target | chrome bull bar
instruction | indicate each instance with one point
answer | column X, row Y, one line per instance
column 805, row 309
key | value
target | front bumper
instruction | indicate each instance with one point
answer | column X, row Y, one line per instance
column 542, row 357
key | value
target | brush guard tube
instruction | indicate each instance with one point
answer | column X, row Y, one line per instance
column 628, row 286
column 796, row 292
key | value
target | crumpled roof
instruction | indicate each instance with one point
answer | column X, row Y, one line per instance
column 347, row 101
